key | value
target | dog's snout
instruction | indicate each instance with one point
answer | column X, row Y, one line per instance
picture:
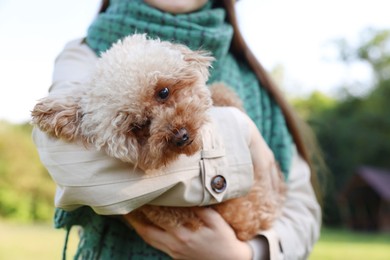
column 181, row 137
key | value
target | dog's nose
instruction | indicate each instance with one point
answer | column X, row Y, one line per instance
column 181, row 137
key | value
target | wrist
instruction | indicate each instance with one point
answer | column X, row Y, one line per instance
column 244, row 251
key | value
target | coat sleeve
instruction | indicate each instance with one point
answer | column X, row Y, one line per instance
column 73, row 66
column 298, row 228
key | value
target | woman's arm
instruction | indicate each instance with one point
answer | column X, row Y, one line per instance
column 73, row 66
column 292, row 237
column 299, row 226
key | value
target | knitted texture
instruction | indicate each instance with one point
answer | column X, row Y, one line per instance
column 106, row 238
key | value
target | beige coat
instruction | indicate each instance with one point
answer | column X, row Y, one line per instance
column 89, row 177
column 85, row 176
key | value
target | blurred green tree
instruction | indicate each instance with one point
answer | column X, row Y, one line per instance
column 26, row 189
column 353, row 131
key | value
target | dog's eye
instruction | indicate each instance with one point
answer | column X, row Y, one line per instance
column 163, row 94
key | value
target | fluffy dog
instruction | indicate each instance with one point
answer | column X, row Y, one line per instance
column 145, row 105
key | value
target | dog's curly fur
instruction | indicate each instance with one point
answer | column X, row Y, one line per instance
column 145, row 104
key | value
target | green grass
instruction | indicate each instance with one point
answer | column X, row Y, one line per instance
column 33, row 242
column 337, row 244
column 43, row 242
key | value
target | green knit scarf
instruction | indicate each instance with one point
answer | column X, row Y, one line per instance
column 205, row 29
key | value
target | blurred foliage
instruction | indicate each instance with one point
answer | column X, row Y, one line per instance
column 313, row 106
column 375, row 50
column 26, row 189
column 353, row 131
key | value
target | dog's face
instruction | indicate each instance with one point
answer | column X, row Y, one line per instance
column 146, row 102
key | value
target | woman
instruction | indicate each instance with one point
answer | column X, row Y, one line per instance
column 198, row 24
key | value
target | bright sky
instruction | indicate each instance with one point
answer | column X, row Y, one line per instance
column 292, row 33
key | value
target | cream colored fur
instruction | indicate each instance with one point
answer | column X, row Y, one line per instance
column 120, row 112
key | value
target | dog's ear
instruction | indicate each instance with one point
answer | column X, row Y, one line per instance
column 199, row 59
column 59, row 117
column 202, row 60
column 122, row 143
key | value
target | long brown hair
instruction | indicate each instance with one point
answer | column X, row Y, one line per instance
column 302, row 135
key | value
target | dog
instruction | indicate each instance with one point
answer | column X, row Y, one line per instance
column 145, row 104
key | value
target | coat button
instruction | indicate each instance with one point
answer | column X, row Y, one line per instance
column 218, row 183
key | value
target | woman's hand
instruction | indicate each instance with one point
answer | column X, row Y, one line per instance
column 215, row 240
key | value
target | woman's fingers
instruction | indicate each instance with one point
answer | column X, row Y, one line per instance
column 211, row 218
column 170, row 241
column 204, row 243
column 151, row 234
